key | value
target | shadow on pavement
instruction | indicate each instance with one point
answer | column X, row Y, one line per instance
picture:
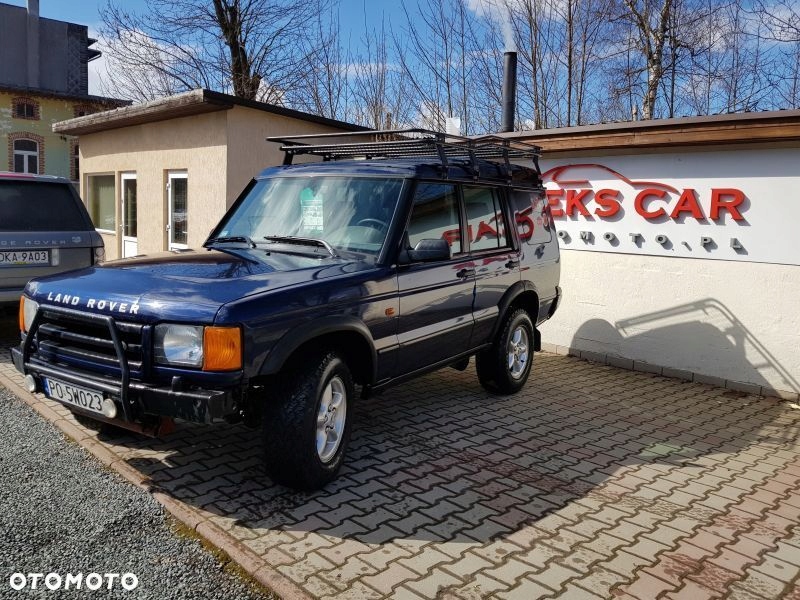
column 438, row 459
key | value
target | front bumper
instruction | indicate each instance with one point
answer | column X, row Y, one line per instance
column 138, row 400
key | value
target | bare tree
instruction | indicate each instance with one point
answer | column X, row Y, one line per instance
column 590, row 27
column 650, row 20
column 580, row 61
column 540, row 40
column 435, row 50
column 782, row 18
column 781, row 24
column 325, row 90
column 561, row 48
column 379, row 85
column 248, row 47
column 790, row 89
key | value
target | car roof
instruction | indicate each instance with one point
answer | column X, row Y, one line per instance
column 8, row 175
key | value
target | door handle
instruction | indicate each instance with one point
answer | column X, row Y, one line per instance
column 465, row 273
column 512, row 264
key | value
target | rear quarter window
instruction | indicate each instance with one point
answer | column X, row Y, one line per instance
column 532, row 217
column 36, row 206
column 485, row 223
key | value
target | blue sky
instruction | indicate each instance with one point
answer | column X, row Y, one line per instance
column 87, row 12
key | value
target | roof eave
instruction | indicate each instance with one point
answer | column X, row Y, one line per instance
column 740, row 128
column 182, row 105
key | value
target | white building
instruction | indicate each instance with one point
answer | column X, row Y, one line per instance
column 680, row 245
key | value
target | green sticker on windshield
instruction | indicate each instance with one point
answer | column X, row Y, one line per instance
column 311, row 212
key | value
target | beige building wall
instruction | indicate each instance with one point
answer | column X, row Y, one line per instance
column 731, row 323
column 196, row 145
column 248, row 150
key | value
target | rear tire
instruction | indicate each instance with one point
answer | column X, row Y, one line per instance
column 504, row 367
column 306, row 425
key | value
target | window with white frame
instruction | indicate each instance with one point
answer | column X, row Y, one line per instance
column 26, row 156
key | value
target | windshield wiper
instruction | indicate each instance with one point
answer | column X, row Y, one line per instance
column 302, row 241
column 231, row 239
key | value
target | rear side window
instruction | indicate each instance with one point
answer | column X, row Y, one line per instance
column 533, row 221
column 35, row 206
column 484, row 219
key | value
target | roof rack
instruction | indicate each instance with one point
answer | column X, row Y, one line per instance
column 409, row 143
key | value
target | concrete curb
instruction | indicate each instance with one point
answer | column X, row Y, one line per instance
column 249, row 561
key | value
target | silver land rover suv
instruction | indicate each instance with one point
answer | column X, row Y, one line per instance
column 44, row 229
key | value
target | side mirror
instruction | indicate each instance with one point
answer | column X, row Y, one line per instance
column 430, row 250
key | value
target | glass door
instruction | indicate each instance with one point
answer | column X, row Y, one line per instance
column 178, row 185
column 130, row 244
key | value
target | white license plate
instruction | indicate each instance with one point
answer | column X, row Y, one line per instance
column 73, row 394
column 19, row 258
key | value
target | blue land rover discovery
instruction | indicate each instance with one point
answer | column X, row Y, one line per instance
column 392, row 256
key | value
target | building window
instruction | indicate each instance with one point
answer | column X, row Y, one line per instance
column 178, row 188
column 101, row 203
column 74, row 167
column 25, row 108
column 26, row 156
column 26, row 152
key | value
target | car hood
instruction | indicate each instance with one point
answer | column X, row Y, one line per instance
column 184, row 285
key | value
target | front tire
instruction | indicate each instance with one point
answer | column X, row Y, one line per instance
column 306, row 427
column 504, row 367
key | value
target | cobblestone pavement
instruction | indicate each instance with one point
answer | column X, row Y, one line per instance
column 592, row 482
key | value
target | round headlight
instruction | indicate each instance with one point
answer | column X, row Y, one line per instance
column 176, row 344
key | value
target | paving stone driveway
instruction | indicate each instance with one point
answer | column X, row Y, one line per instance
column 592, row 482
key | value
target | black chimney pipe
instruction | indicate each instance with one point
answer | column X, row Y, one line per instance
column 509, row 91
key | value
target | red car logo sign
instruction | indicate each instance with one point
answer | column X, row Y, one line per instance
column 571, row 193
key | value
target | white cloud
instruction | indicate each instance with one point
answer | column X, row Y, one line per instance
column 499, row 12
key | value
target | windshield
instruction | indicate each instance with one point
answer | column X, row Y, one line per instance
column 349, row 213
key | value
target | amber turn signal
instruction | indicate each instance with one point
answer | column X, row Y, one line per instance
column 222, row 349
column 22, row 314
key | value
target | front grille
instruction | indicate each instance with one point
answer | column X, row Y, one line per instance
column 87, row 344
